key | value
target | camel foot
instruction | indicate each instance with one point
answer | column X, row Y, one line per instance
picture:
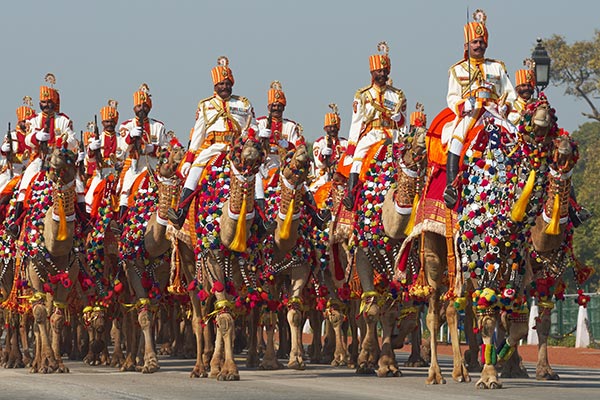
column 165, row 349
column 365, row 369
column 435, row 377
column 128, row 366
column 416, row 362
column 198, row 372
column 150, row 366
column 270, row 365
column 388, row 371
column 546, row 374
column 229, row 372
column 489, row 378
column 297, row 364
column 339, row 362
column 514, row 368
column 461, row 374
column 62, row 369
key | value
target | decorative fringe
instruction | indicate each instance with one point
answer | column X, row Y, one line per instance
column 239, row 241
column 553, row 227
column 518, row 211
column 413, row 214
column 62, row 220
column 286, row 226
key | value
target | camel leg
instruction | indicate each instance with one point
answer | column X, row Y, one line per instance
column 24, row 325
column 145, row 319
column 471, row 356
column 543, row 369
column 299, row 277
column 269, row 361
column 226, row 336
column 387, row 360
column 435, row 250
column 252, row 360
column 15, row 357
column 489, row 374
column 199, row 370
column 46, row 361
column 459, row 370
column 315, row 318
column 117, row 359
column 336, row 322
column 355, row 321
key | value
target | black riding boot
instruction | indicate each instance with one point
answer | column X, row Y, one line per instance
column 348, row 201
column 450, row 193
column 178, row 216
column 577, row 214
column 15, row 228
column 266, row 226
column 320, row 217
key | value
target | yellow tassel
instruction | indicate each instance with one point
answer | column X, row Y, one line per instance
column 413, row 213
column 286, row 226
column 553, row 226
column 62, row 220
column 239, row 241
column 518, row 211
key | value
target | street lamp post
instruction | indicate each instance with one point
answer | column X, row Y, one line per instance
column 542, row 66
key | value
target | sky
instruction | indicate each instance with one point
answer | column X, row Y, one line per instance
column 317, row 49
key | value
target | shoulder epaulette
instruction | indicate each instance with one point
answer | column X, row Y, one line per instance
column 362, row 90
column 241, row 98
column 457, row 63
column 396, row 90
column 261, row 118
column 158, row 121
column 497, row 61
column 205, row 100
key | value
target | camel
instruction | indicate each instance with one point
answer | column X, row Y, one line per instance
column 47, row 259
column 144, row 254
column 286, row 261
column 222, row 260
column 550, row 238
column 494, row 221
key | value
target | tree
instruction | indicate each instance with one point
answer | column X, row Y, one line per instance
column 577, row 68
column 587, row 237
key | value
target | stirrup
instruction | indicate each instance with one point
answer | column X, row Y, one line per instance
column 176, row 217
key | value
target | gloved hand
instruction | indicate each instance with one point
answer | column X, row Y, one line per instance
column 326, row 151
column 450, row 196
column 264, row 133
column 136, row 131
column 396, row 117
column 42, row 136
column 503, row 110
column 5, row 147
column 185, row 168
column 94, row 144
column 467, row 107
column 80, row 157
column 283, row 143
column 148, row 148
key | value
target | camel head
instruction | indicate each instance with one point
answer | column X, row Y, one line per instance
column 565, row 152
column 246, row 155
column 170, row 159
column 296, row 165
column 62, row 165
column 416, row 149
column 538, row 122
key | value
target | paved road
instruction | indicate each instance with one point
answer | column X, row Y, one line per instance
column 316, row 382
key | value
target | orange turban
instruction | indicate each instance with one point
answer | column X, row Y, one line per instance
column 524, row 76
column 48, row 93
column 477, row 28
column 380, row 61
column 418, row 117
column 142, row 96
column 222, row 71
column 110, row 112
column 332, row 118
column 276, row 94
column 25, row 111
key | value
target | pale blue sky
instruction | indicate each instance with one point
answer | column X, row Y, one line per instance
column 318, row 49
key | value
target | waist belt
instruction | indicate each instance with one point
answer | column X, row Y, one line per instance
column 380, row 123
column 218, row 137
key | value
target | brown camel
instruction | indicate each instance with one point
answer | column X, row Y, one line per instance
column 147, row 271
column 220, row 268
column 495, row 219
column 548, row 237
